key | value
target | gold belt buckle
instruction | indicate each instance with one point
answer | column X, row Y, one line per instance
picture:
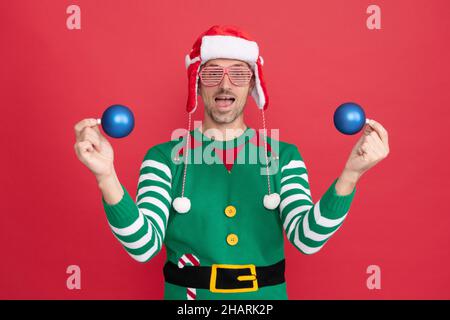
column 250, row 277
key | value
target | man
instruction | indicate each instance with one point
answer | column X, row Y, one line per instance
column 222, row 218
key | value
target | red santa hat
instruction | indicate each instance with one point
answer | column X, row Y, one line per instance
column 224, row 42
column 227, row 43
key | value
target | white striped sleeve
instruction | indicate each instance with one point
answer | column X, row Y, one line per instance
column 140, row 225
column 308, row 225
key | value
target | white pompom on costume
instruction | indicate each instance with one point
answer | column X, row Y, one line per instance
column 271, row 201
column 182, row 204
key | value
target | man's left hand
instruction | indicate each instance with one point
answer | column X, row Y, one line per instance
column 370, row 149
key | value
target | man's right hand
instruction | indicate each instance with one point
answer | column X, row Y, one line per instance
column 93, row 149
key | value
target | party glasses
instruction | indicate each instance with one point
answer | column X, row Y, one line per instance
column 213, row 75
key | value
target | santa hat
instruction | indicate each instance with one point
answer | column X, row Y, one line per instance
column 224, row 42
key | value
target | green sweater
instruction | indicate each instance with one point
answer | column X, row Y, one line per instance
column 213, row 184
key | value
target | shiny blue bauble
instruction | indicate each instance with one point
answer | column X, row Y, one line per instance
column 349, row 118
column 117, row 121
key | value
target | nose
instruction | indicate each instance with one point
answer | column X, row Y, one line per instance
column 226, row 82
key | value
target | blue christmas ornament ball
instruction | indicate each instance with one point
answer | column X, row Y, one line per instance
column 349, row 118
column 117, row 121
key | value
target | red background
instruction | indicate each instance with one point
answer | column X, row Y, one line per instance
column 317, row 55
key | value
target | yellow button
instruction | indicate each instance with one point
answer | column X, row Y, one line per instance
column 230, row 211
column 232, row 239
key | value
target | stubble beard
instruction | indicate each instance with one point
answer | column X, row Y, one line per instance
column 224, row 118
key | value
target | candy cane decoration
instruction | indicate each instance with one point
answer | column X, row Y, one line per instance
column 189, row 259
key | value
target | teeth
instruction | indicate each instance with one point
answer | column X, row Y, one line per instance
column 224, row 98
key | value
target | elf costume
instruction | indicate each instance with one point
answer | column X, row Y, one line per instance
column 221, row 207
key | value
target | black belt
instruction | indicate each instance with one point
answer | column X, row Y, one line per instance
column 225, row 278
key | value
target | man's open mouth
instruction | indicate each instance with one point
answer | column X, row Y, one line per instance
column 224, row 101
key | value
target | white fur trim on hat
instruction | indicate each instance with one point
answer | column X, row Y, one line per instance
column 257, row 92
column 188, row 61
column 229, row 47
column 197, row 77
